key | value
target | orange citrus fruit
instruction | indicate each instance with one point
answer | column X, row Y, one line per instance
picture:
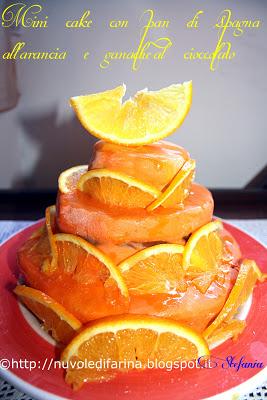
column 156, row 269
column 178, row 189
column 231, row 250
column 86, row 282
column 50, row 263
column 226, row 331
column 116, row 188
column 243, row 287
column 231, row 256
column 129, row 339
column 89, row 299
column 56, row 319
column 145, row 118
column 39, row 245
column 87, row 263
column 68, row 179
column 204, row 249
column 260, row 275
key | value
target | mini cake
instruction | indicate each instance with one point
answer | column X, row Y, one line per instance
column 132, row 234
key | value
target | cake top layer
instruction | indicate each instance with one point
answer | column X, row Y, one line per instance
column 155, row 164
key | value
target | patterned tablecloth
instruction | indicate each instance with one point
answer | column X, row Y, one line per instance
column 256, row 228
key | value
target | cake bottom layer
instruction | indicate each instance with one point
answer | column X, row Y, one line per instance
column 89, row 299
column 79, row 214
column 192, row 308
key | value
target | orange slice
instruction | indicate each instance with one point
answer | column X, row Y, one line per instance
column 226, row 331
column 86, row 282
column 50, row 264
column 68, row 179
column 145, row 118
column 178, row 189
column 86, row 263
column 43, row 242
column 204, row 249
column 129, row 339
column 117, row 189
column 156, row 269
column 56, row 319
column 260, row 275
column 243, row 287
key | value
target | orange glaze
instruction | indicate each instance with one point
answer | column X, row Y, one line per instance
column 86, row 301
column 77, row 213
column 120, row 233
column 231, row 247
column 118, row 253
column 155, row 164
column 192, row 307
column 91, row 301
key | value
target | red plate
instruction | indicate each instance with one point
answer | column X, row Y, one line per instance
column 18, row 341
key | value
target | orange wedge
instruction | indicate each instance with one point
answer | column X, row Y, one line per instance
column 129, row 339
column 204, row 249
column 243, row 287
column 117, row 189
column 86, row 263
column 145, row 118
column 156, row 269
column 56, row 319
column 68, row 179
column 178, row 189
